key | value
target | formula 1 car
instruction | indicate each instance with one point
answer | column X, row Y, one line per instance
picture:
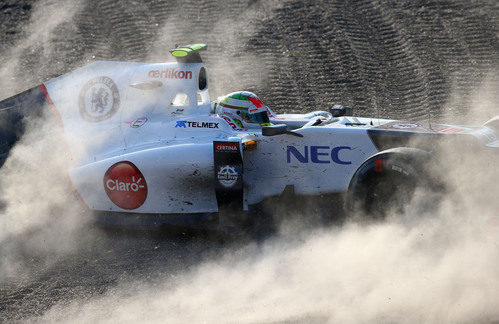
column 145, row 140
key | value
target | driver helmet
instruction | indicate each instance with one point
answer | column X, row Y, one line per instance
column 243, row 107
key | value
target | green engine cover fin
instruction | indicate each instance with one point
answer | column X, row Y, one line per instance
column 188, row 53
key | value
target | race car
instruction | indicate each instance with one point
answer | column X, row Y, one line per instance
column 146, row 139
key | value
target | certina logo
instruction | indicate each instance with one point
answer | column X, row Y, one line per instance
column 185, row 124
column 125, row 185
column 170, row 73
column 99, row 99
column 317, row 154
column 227, row 176
column 226, row 147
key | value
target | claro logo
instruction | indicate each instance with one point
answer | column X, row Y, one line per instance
column 125, row 185
column 170, row 73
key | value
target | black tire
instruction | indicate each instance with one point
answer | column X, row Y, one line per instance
column 386, row 182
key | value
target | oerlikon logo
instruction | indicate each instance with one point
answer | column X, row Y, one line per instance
column 125, row 185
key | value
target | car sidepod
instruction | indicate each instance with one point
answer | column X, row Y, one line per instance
column 322, row 161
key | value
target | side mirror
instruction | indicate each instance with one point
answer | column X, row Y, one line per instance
column 339, row 110
column 278, row 130
column 274, row 130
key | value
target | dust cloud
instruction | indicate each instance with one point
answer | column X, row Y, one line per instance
column 438, row 267
column 229, row 71
column 39, row 217
column 39, row 44
column 435, row 266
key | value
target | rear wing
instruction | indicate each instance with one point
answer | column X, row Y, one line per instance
column 13, row 111
column 188, row 53
column 103, row 96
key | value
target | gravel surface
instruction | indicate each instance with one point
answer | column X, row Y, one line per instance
column 398, row 59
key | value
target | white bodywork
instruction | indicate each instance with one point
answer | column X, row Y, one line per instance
column 142, row 116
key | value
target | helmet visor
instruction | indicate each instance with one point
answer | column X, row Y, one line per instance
column 261, row 117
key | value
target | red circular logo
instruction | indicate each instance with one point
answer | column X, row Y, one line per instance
column 125, row 185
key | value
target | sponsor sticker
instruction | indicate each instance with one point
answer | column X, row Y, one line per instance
column 405, row 126
column 99, row 99
column 231, row 123
column 451, row 130
column 170, row 73
column 125, row 185
column 189, row 124
column 221, row 147
column 415, row 127
column 227, row 176
column 178, row 112
column 316, row 154
column 228, row 173
column 138, row 122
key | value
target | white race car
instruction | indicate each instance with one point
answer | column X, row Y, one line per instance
column 146, row 139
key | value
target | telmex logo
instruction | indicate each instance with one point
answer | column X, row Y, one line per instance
column 125, row 185
column 226, row 147
column 317, row 154
column 170, row 73
column 185, row 124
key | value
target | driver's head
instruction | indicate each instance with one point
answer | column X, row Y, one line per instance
column 244, row 106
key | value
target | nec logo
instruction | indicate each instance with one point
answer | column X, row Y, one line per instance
column 317, row 154
column 185, row 124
